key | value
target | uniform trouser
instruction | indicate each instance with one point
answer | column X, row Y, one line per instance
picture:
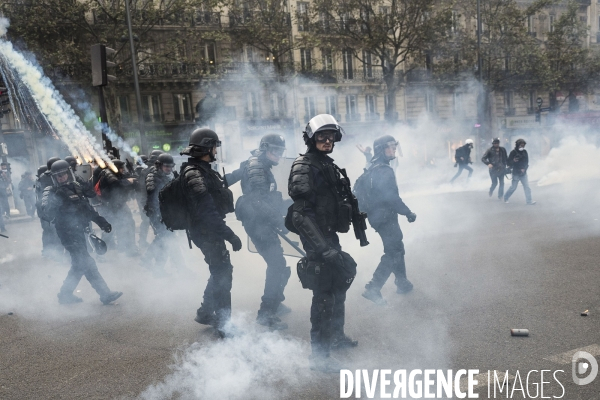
column 460, row 170
column 4, row 203
column 123, row 227
column 327, row 311
column 144, row 225
column 82, row 264
column 217, row 295
column 50, row 240
column 278, row 273
column 29, row 205
column 515, row 182
column 392, row 260
column 497, row 176
column 161, row 249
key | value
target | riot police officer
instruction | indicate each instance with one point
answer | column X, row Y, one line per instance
column 261, row 211
column 158, row 251
column 65, row 204
column 140, row 193
column 51, row 246
column 116, row 189
column 383, row 206
column 321, row 209
column 208, row 201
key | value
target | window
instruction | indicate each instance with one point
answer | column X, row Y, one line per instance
column 124, row 108
column 152, row 107
column 252, row 105
column 302, row 9
column 367, row 65
column 207, row 55
column 347, row 63
column 331, row 105
column 370, row 103
column 327, row 60
column 182, row 107
column 277, row 105
column 508, row 103
column 250, row 56
column 305, row 59
column 532, row 100
column 458, row 104
column 530, row 25
column 507, row 63
column 430, row 102
column 351, row 107
column 552, row 17
column 310, row 110
column 454, row 26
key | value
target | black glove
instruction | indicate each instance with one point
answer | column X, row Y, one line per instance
column 149, row 211
column 104, row 225
column 411, row 217
column 332, row 256
column 235, row 241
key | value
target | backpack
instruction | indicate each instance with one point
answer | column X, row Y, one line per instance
column 173, row 204
column 362, row 190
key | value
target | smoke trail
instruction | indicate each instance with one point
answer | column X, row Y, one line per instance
column 55, row 109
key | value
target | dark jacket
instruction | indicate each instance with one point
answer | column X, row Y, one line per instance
column 385, row 201
column 261, row 201
column 498, row 161
column 464, row 152
column 206, row 199
column 26, row 187
column 155, row 181
column 518, row 160
column 115, row 188
column 68, row 208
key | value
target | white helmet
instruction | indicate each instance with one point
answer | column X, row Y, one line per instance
column 469, row 141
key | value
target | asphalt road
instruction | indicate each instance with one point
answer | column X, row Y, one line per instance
column 480, row 267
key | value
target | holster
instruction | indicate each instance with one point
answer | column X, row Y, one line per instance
column 308, row 273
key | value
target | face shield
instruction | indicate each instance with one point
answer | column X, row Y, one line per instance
column 63, row 177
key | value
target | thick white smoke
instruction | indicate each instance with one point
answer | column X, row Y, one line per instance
column 252, row 365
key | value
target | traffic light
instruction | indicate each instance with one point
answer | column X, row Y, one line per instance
column 4, row 102
column 100, row 65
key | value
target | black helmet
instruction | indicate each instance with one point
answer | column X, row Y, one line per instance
column 495, row 140
column 119, row 163
column 41, row 169
column 322, row 123
column 143, row 158
column 51, row 161
column 59, row 168
column 381, row 143
column 272, row 143
column 202, row 141
column 72, row 162
column 165, row 159
column 153, row 156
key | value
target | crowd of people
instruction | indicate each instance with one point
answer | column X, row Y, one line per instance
column 196, row 200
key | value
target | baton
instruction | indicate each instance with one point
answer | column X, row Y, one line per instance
column 288, row 240
column 3, row 235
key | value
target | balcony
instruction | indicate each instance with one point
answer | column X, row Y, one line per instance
column 238, row 19
column 176, row 70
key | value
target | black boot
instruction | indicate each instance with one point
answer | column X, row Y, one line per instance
column 342, row 341
column 403, row 286
column 271, row 321
column 205, row 316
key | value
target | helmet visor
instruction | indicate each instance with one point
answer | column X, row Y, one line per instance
column 63, row 177
column 324, row 136
column 276, row 150
column 210, row 142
